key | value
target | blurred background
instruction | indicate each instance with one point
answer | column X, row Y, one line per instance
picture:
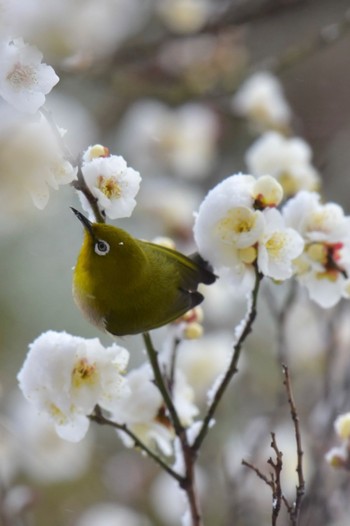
column 155, row 80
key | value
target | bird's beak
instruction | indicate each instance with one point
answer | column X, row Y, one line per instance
column 84, row 220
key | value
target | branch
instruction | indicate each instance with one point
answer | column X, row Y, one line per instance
column 232, row 369
column 80, row 183
column 160, row 383
column 99, row 418
column 274, row 482
column 300, row 489
column 81, row 186
column 187, row 483
column 173, row 360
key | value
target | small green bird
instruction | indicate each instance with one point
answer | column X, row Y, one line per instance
column 127, row 286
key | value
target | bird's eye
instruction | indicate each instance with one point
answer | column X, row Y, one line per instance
column 101, row 247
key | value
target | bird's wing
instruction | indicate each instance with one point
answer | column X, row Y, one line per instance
column 194, row 268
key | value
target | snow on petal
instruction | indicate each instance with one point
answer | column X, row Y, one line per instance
column 65, row 376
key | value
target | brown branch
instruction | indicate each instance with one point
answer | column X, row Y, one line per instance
column 98, row 417
column 274, row 482
column 300, row 489
column 187, row 482
column 81, row 186
column 277, row 492
column 258, row 472
column 233, row 367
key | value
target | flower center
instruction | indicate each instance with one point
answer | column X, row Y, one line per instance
column 275, row 243
column 83, row 372
column 22, row 77
column 109, row 187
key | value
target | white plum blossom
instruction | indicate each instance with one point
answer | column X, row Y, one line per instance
column 286, row 159
column 144, row 413
column 65, row 376
column 261, row 100
column 238, row 226
column 184, row 399
column 24, row 79
column 278, row 247
column 181, row 141
column 111, row 181
column 32, row 156
column 324, row 266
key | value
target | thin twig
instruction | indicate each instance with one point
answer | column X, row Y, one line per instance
column 300, row 489
column 160, row 383
column 233, row 367
column 79, row 184
column 99, row 418
column 274, row 479
column 187, row 483
column 258, row 472
column 173, row 360
column 82, row 187
column 277, row 490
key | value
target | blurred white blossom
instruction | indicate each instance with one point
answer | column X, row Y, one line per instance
column 144, row 413
column 9, row 461
column 175, row 214
column 158, row 138
column 184, row 16
column 24, row 79
column 65, row 376
column 261, row 100
column 111, row 514
column 342, row 426
column 289, row 160
column 324, row 266
column 42, row 454
column 72, row 31
column 339, row 456
column 111, row 181
column 205, row 359
column 167, row 499
column 32, row 160
column 236, row 228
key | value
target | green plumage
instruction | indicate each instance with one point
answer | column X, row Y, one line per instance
column 136, row 286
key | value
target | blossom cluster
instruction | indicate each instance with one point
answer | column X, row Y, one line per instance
column 64, row 377
column 324, row 266
column 238, row 229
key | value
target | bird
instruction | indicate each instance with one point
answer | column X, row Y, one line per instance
column 124, row 285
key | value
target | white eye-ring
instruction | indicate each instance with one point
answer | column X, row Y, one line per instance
column 101, row 247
